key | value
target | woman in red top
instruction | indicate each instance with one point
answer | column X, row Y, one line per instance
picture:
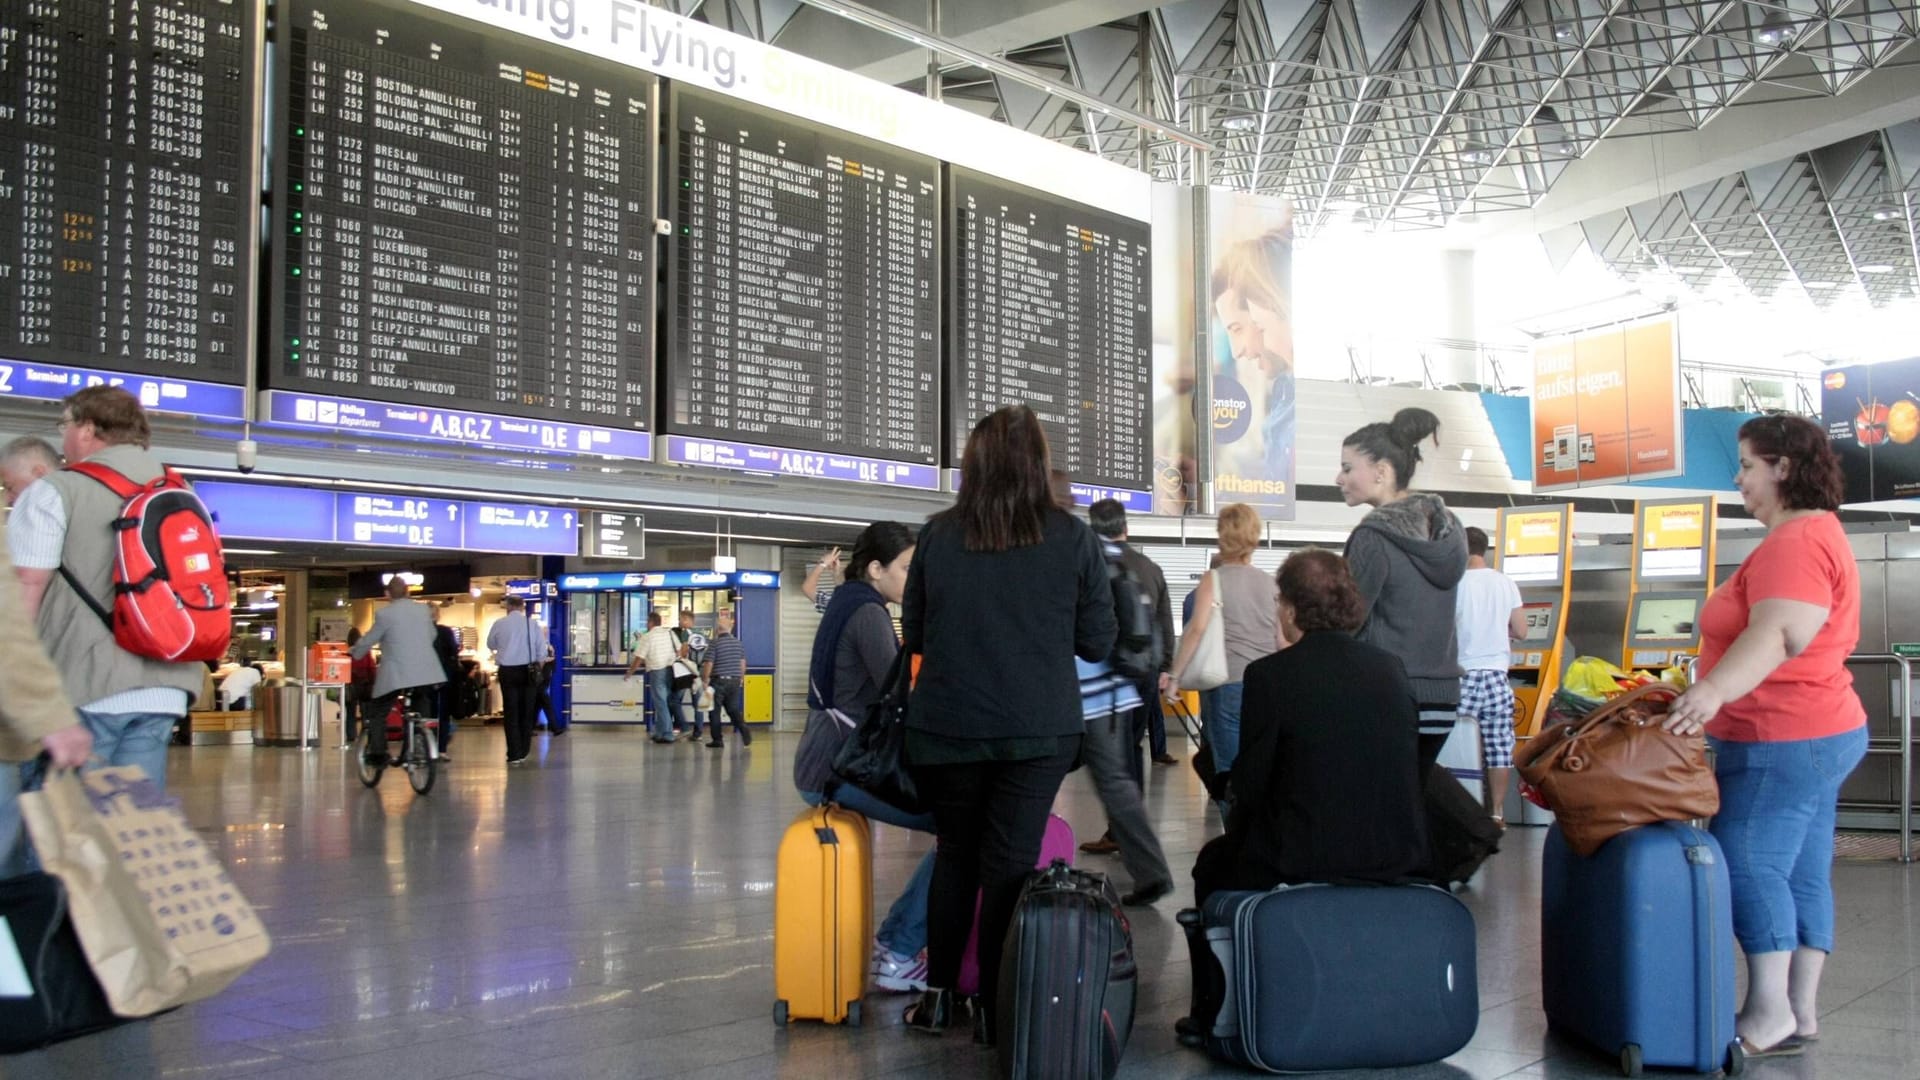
column 1778, row 704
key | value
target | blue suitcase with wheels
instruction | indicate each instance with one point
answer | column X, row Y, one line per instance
column 1636, row 948
column 1319, row 977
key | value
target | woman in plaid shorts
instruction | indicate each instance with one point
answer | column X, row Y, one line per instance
column 1488, row 618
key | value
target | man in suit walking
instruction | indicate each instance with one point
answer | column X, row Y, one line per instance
column 404, row 630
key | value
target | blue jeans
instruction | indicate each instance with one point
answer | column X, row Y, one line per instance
column 118, row 739
column 1776, row 826
column 660, row 690
column 1220, row 712
column 904, row 932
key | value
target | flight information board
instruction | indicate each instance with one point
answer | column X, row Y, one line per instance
column 125, row 134
column 465, row 217
column 806, row 279
column 1050, row 306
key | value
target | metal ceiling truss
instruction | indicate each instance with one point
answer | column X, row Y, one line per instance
column 1408, row 113
column 1836, row 224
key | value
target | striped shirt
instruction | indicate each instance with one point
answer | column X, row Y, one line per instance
column 728, row 657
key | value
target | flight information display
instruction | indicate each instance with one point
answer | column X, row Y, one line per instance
column 806, row 279
column 1051, row 307
column 125, row 134
column 464, row 218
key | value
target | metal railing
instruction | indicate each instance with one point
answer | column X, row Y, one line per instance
column 1901, row 744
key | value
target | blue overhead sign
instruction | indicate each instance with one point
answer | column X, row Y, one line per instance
column 382, row 519
column 671, row 579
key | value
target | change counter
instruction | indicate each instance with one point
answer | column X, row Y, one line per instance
column 605, row 615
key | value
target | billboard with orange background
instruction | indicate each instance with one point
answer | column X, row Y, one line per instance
column 1606, row 406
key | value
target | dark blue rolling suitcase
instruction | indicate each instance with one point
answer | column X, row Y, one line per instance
column 1636, row 948
column 1332, row 977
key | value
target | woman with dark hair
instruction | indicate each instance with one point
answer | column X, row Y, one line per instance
column 1407, row 558
column 853, row 651
column 1778, row 705
column 1007, row 588
column 1327, row 788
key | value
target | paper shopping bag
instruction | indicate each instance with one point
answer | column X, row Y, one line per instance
column 159, row 920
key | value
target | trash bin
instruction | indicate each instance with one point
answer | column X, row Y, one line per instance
column 279, row 721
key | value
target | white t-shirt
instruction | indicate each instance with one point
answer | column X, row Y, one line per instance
column 1481, row 607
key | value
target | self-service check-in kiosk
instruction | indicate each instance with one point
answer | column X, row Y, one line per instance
column 1535, row 550
column 1672, row 575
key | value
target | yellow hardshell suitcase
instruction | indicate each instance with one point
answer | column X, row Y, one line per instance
column 823, row 917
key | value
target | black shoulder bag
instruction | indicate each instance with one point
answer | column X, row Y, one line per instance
column 874, row 756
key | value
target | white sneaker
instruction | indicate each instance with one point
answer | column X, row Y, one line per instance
column 900, row 974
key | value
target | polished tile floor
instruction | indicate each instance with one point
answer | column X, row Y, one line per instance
column 607, row 911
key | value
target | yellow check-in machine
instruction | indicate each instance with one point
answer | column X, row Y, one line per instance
column 1673, row 564
column 1535, row 549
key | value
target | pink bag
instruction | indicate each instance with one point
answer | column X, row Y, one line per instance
column 1056, row 844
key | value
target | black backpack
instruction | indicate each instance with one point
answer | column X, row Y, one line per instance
column 1136, row 653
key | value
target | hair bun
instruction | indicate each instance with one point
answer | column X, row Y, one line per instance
column 1411, row 427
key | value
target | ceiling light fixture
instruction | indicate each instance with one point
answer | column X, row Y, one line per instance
column 1239, row 123
column 1822, row 285
column 1563, row 31
column 1777, row 30
column 1876, row 268
column 1885, row 215
column 1738, row 253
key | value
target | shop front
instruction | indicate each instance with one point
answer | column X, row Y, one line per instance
column 606, row 614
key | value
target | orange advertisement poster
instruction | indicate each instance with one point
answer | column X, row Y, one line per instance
column 1606, row 406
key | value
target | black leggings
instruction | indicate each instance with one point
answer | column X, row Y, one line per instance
column 990, row 817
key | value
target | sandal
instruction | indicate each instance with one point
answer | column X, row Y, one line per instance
column 1791, row 1046
column 932, row 1014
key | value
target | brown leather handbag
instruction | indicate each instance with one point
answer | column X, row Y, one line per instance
column 1617, row 768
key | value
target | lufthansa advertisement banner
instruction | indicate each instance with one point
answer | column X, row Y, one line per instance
column 1251, row 315
column 1606, row 406
column 1872, row 413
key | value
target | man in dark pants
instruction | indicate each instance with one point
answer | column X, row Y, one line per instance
column 514, row 640
column 446, row 645
column 725, row 669
column 1109, row 520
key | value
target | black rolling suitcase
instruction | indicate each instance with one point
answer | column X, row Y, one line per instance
column 1460, row 833
column 1067, row 979
column 1318, row 977
column 63, row 998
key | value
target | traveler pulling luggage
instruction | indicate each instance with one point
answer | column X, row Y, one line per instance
column 1068, row 983
column 1312, row 977
column 1636, row 948
column 822, row 917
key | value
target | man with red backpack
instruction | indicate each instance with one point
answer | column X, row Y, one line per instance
column 65, row 548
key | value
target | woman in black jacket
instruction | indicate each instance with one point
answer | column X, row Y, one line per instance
column 1005, row 590
column 1327, row 784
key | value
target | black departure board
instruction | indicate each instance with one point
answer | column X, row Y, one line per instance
column 806, row 280
column 125, row 133
column 464, row 217
column 1051, row 307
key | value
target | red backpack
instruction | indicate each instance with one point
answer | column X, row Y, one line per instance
column 169, row 579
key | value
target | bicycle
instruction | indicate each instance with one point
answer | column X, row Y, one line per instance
column 417, row 735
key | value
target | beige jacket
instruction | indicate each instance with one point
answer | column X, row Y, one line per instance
column 32, row 704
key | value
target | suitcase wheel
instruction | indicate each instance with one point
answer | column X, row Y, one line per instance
column 1630, row 1063
column 1736, row 1058
column 780, row 1014
column 853, row 1013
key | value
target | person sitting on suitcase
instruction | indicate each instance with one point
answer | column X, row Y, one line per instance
column 1327, row 785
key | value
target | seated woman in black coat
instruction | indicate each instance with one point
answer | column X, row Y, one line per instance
column 1326, row 788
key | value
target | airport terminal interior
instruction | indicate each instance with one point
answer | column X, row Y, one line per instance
column 565, row 317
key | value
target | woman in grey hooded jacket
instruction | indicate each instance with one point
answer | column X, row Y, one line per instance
column 1408, row 557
